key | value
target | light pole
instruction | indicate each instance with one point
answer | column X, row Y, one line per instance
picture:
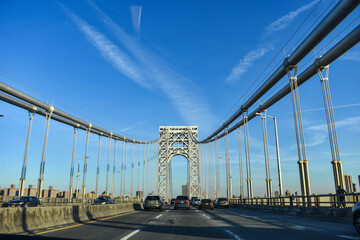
column 277, row 155
column 78, row 178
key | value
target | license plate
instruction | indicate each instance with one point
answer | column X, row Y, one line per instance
column 206, row 204
column 151, row 202
column 12, row 206
column 182, row 202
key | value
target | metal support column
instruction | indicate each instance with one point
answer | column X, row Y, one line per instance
column 122, row 171
column 98, row 168
column 217, row 169
column 247, row 158
column 303, row 163
column 114, row 171
column 125, row 160
column 138, row 176
column 205, row 172
column 241, row 172
column 266, row 155
column 228, row 167
column 43, row 154
column 132, row 170
column 72, row 165
column 85, row 161
column 278, row 157
column 26, row 154
column 143, row 179
column 108, row 166
column 330, row 119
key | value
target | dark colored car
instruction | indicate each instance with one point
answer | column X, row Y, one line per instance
column 221, row 202
column 172, row 201
column 102, row 200
column 153, row 202
column 356, row 216
column 25, row 201
column 182, row 202
column 206, row 203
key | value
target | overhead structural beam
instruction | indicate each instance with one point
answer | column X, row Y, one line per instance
column 31, row 104
column 334, row 53
column 335, row 16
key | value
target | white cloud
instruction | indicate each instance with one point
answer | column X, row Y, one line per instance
column 319, row 133
column 114, row 55
column 131, row 127
column 136, row 18
column 247, row 62
column 286, row 20
column 175, row 86
column 351, row 56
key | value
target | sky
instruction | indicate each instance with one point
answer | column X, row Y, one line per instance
column 132, row 66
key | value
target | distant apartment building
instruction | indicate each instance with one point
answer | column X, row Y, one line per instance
column 348, row 183
column 11, row 191
column 184, row 190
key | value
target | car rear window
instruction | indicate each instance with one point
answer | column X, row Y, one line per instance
column 182, row 198
column 206, row 201
column 222, row 199
column 152, row 198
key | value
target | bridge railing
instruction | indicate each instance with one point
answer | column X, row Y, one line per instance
column 47, row 202
column 315, row 200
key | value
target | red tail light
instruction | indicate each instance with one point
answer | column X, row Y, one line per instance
column 188, row 201
column 159, row 201
column 210, row 203
column 202, row 203
column 177, row 201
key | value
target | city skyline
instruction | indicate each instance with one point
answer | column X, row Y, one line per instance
column 132, row 67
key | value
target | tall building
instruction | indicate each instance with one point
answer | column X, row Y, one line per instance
column 348, row 183
column 184, row 190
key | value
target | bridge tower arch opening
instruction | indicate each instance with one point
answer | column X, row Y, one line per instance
column 173, row 141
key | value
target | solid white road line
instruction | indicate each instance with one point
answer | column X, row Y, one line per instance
column 348, row 237
column 234, row 235
column 158, row 216
column 130, row 234
column 299, row 227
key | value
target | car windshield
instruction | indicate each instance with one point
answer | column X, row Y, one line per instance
column 222, row 199
column 152, row 198
column 206, row 201
column 22, row 199
column 102, row 198
column 182, row 198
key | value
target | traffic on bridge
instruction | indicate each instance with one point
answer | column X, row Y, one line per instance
column 180, row 120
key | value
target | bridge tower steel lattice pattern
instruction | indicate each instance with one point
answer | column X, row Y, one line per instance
column 173, row 141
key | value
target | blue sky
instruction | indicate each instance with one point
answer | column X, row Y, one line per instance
column 132, row 66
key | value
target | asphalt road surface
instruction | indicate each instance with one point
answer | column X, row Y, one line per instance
column 202, row 224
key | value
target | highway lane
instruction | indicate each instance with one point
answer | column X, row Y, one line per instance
column 198, row 224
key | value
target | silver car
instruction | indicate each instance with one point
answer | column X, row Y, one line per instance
column 182, row 202
column 153, row 202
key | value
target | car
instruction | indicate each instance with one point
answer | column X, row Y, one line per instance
column 102, row 200
column 221, row 202
column 356, row 216
column 182, row 202
column 153, row 202
column 25, row 201
column 196, row 202
column 192, row 200
column 206, row 203
column 172, row 202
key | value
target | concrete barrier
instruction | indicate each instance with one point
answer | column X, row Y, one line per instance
column 330, row 214
column 27, row 219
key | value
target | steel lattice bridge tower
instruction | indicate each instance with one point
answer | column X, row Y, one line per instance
column 173, row 141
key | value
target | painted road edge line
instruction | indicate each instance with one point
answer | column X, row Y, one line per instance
column 131, row 234
column 348, row 237
column 158, row 216
column 77, row 225
column 234, row 235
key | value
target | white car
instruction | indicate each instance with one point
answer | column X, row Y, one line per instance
column 196, row 202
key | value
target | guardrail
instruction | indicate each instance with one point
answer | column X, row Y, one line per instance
column 48, row 202
column 315, row 200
